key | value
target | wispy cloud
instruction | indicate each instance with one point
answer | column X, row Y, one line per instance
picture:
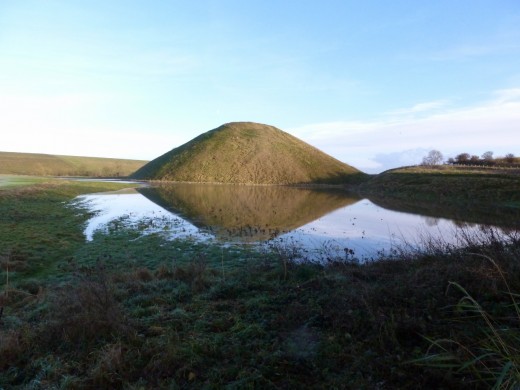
column 507, row 95
column 421, row 107
column 491, row 125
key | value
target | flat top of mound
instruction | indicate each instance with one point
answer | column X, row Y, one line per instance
column 247, row 153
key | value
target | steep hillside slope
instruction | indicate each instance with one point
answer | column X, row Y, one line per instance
column 248, row 153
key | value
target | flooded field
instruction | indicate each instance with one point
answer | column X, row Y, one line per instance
column 316, row 223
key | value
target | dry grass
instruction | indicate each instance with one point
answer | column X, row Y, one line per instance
column 84, row 313
column 57, row 165
column 270, row 323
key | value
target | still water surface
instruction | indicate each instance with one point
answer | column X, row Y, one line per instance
column 320, row 223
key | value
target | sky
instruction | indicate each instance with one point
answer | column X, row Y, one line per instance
column 376, row 84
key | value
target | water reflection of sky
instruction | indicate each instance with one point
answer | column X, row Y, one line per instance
column 366, row 229
column 362, row 227
column 133, row 210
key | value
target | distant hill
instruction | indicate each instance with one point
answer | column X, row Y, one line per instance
column 248, row 153
column 448, row 184
column 56, row 165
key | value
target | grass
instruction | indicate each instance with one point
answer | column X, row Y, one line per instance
column 448, row 184
column 494, row 357
column 9, row 181
column 57, row 165
column 248, row 153
column 38, row 231
column 126, row 311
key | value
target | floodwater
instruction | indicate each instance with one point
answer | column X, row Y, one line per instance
column 318, row 223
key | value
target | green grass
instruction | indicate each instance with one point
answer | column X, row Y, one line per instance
column 38, row 231
column 448, row 184
column 248, row 153
column 57, row 165
column 493, row 357
column 9, row 181
column 132, row 311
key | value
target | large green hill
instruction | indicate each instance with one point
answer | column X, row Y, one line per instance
column 56, row 165
column 248, row 153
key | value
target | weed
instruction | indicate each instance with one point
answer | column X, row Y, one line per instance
column 108, row 370
column 194, row 273
column 492, row 358
column 85, row 311
column 143, row 274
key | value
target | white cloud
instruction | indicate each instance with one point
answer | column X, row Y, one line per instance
column 492, row 125
column 68, row 124
column 421, row 107
column 507, row 95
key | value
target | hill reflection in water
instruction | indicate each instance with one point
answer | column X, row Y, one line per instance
column 321, row 223
column 462, row 214
column 247, row 213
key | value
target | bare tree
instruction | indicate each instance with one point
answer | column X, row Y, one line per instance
column 510, row 158
column 487, row 156
column 434, row 157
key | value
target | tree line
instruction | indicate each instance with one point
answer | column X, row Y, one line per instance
column 434, row 157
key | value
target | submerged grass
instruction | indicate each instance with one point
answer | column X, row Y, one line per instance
column 130, row 311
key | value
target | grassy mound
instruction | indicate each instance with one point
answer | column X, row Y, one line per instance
column 248, row 153
column 56, row 165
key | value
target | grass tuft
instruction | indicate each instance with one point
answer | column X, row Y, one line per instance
column 85, row 312
column 493, row 356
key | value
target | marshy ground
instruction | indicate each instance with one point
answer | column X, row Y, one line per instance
column 131, row 311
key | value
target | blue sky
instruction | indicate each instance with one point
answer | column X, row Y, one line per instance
column 375, row 84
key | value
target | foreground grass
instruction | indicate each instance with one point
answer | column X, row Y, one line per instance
column 126, row 311
column 37, row 229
